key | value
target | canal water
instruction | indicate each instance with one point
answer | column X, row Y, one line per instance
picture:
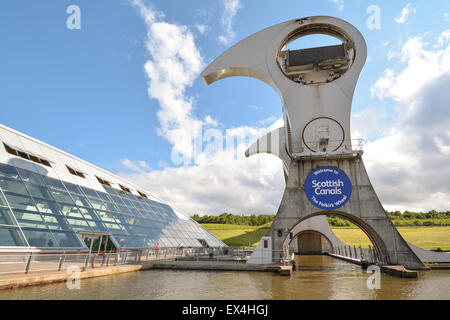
column 318, row 277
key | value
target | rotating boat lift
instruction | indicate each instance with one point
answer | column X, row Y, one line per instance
column 316, row 86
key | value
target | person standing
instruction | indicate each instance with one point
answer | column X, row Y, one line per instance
column 158, row 246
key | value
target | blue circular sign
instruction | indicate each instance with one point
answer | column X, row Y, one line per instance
column 328, row 188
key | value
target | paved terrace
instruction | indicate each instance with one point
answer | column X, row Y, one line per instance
column 20, row 270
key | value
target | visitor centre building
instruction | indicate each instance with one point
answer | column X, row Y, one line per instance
column 51, row 200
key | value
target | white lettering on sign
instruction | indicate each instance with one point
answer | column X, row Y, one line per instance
column 334, row 184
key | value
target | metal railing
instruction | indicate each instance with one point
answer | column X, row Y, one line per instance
column 57, row 261
column 371, row 255
column 240, row 255
column 350, row 147
column 27, row 262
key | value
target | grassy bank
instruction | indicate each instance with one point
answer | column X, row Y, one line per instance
column 429, row 238
column 236, row 235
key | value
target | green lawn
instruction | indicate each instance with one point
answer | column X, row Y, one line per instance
column 429, row 238
column 236, row 235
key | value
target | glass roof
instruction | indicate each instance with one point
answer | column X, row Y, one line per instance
column 39, row 211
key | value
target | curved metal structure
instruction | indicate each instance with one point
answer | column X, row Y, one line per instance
column 316, row 86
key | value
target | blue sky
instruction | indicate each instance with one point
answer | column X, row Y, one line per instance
column 88, row 92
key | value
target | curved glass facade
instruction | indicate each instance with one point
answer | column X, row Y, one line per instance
column 39, row 211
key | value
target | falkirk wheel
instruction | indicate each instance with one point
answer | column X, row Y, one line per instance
column 324, row 171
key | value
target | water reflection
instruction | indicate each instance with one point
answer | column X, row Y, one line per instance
column 318, row 277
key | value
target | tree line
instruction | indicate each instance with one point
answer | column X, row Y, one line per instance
column 429, row 218
column 228, row 218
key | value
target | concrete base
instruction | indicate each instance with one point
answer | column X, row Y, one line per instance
column 363, row 209
column 23, row 280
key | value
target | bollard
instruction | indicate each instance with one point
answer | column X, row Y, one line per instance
column 27, row 266
column 86, row 261
column 61, row 258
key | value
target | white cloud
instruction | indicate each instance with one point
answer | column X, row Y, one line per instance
column 423, row 66
column 409, row 165
column 209, row 121
column 223, row 181
column 443, row 38
column 368, row 123
column 219, row 179
column 446, row 16
column 406, row 11
column 231, row 8
column 201, row 28
column 137, row 166
column 175, row 62
column 339, row 3
column 391, row 54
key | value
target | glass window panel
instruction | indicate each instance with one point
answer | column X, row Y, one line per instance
column 150, row 243
column 39, row 191
column 11, row 237
column 96, row 225
column 39, row 238
column 29, row 219
column 67, row 239
column 140, row 229
column 2, row 200
column 143, row 213
column 8, row 171
column 70, row 210
column 61, row 196
column 88, row 213
column 137, row 205
column 127, row 202
column 11, row 185
column 54, row 183
column 20, row 202
column 31, row 177
column 78, row 224
column 123, row 209
column 91, row 193
column 135, row 212
column 113, row 227
column 110, row 207
column 6, row 217
column 116, row 199
column 123, row 219
column 97, row 204
column 81, row 201
column 50, row 207
column 105, row 216
column 72, row 188
column 111, row 191
column 136, row 242
column 104, row 196
column 56, row 222
column 121, row 240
